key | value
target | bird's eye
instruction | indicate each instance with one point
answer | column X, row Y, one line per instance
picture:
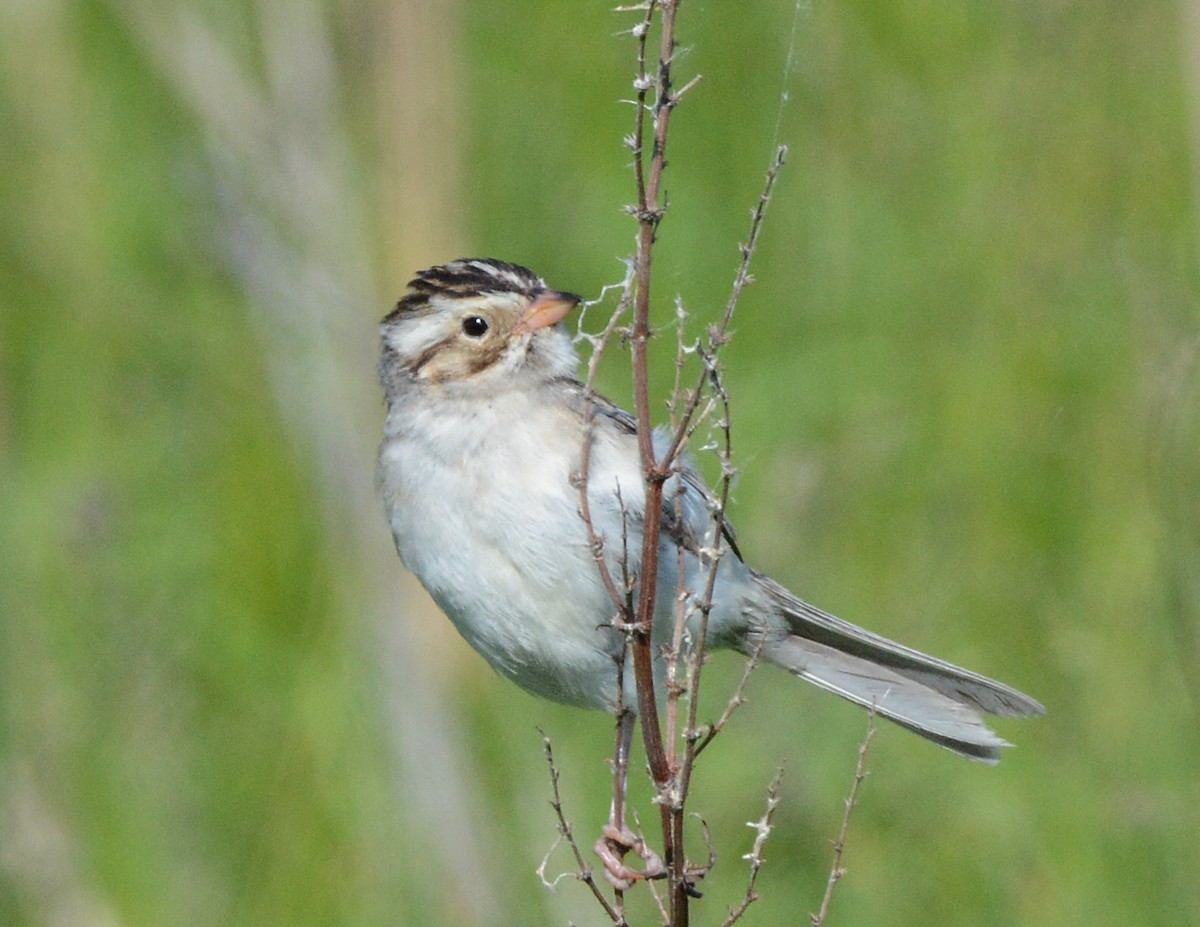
column 475, row 326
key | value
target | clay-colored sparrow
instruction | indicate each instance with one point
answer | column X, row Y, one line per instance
column 479, row 472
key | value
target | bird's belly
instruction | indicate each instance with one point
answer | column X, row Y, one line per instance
column 485, row 514
column 511, row 567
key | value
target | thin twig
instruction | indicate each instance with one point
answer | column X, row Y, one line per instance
column 736, row 701
column 683, row 610
column 620, row 762
column 596, row 542
column 714, row 551
column 659, row 902
column 836, row 871
column 682, row 351
column 762, row 828
column 719, row 333
column 685, row 426
column 565, row 832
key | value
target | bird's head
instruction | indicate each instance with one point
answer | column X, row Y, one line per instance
column 480, row 323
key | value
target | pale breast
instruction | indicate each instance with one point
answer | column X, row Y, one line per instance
column 484, row 513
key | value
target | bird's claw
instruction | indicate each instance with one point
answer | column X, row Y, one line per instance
column 612, row 846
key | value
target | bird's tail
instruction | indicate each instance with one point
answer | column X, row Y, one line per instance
column 930, row 697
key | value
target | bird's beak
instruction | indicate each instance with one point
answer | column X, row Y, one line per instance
column 549, row 308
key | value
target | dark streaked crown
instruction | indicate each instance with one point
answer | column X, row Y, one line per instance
column 469, row 277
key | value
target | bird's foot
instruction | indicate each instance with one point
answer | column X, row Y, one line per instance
column 612, row 846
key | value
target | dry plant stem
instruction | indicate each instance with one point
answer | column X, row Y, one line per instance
column 685, row 425
column 625, row 721
column 683, row 428
column 584, row 873
column 762, row 829
column 719, row 333
column 670, row 780
column 617, row 839
column 839, row 845
column 735, row 702
column 621, row 597
column 669, row 775
column 715, row 552
column 649, row 213
column 684, row 608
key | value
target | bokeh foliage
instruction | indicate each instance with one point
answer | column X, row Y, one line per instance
column 966, row 388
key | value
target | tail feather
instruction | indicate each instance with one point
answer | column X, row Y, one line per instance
column 935, row 699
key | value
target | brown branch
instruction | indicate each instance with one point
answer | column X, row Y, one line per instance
column 649, row 212
column 655, row 97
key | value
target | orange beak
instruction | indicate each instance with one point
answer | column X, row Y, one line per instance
column 549, row 308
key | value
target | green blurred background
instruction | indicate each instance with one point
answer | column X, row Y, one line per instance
column 965, row 391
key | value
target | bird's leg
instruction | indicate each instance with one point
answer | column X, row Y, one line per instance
column 616, row 837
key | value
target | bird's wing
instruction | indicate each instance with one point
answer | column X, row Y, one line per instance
column 688, row 502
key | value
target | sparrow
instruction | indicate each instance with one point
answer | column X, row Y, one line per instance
column 479, row 470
